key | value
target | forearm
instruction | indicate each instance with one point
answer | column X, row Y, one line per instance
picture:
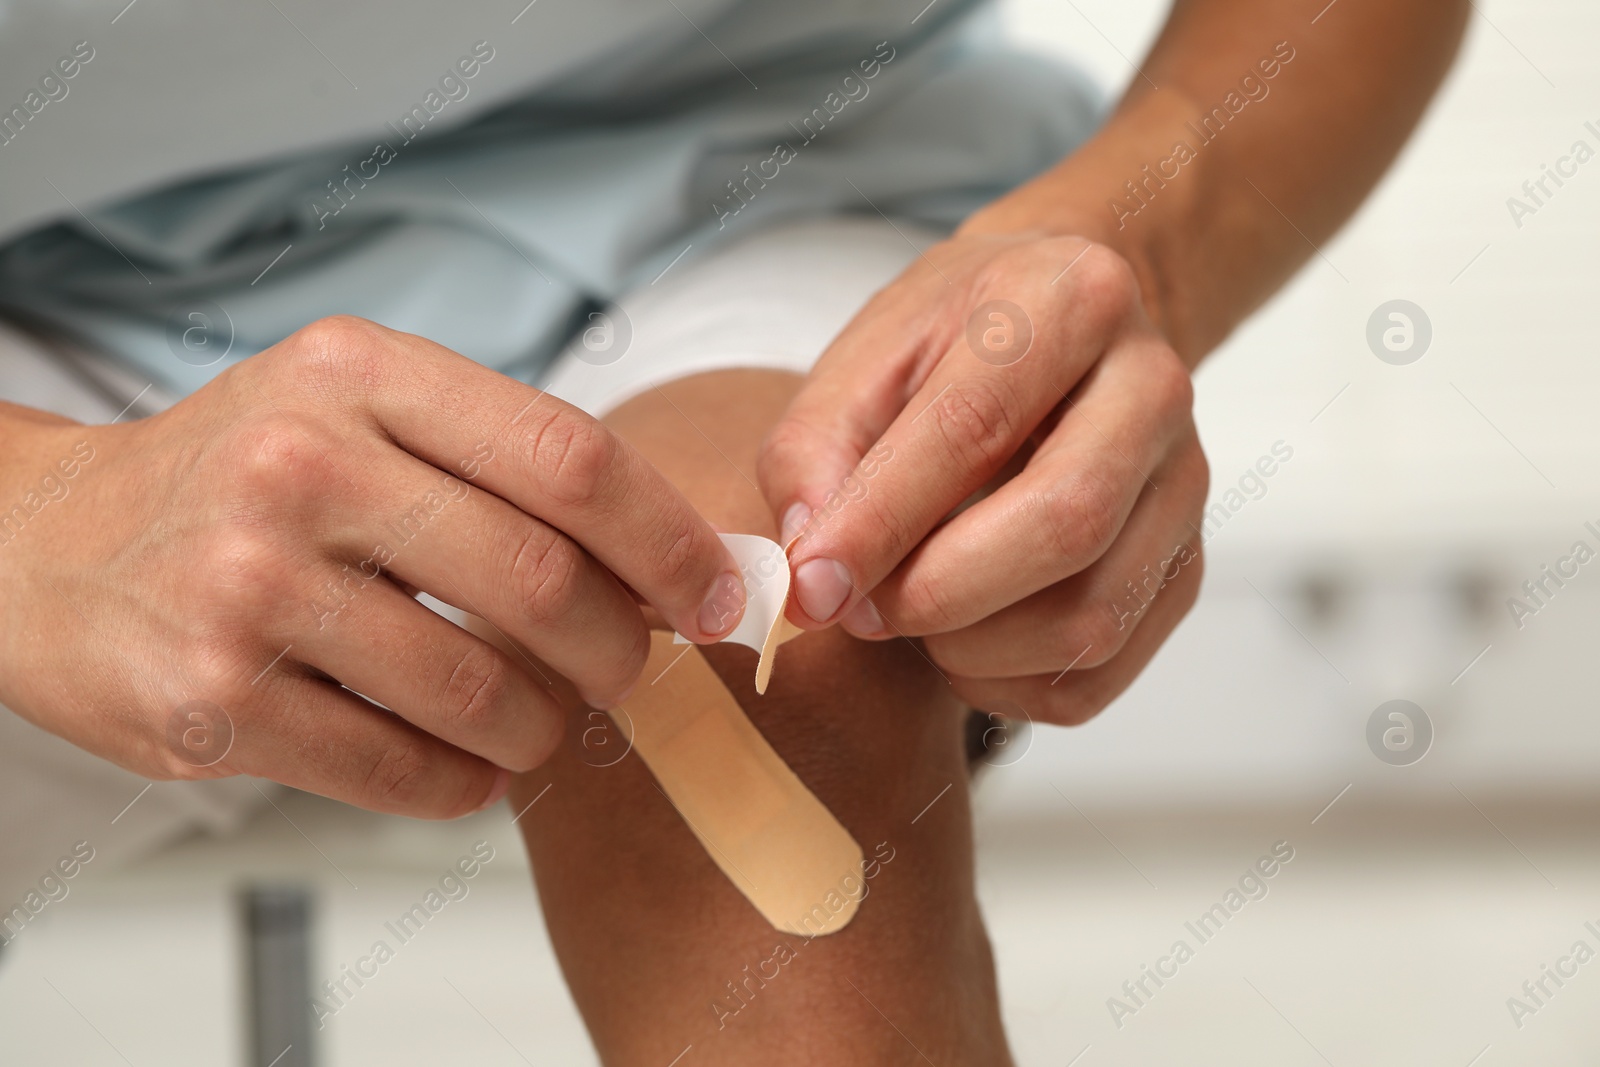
column 1265, row 182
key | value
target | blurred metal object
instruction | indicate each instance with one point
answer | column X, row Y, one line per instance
column 1324, row 594
column 1476, row 590
column 277, row 926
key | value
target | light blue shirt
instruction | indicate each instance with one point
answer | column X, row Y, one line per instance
column 186, row 183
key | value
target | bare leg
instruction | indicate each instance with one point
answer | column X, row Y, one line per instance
column 660, row 950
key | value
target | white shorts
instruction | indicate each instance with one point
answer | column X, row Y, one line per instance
column 773, row 300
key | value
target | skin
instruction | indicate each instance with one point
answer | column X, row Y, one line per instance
column 650, row 933
column 1084, row 448
column 192, row 551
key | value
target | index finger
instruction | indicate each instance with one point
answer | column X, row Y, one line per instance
column 1027, row 344
column 540, row 454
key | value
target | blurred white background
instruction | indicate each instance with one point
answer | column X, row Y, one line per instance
column 1419, row 499
column 1377, row 566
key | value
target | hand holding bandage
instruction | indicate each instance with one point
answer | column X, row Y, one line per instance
column 1043, row 454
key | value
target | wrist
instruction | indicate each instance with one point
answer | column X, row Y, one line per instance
column 43, row 452
column 1115, row 191
column 26, row 440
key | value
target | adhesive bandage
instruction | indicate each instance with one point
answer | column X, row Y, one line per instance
column 778, row 844
column 764, row 565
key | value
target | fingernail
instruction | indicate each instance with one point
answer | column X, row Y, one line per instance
column 502, row 782
column 723, row 605
column 794, row 521
column 822, row 586
column 863, row 620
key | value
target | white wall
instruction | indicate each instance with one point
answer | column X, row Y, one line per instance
column 1400, row 497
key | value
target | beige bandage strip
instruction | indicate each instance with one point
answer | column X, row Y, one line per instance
column 778, row 844
column 765, row 567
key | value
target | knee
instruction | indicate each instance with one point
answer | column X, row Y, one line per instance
column 870, row 727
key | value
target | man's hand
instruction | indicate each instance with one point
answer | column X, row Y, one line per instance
column 256, row 548
column 1022, row 370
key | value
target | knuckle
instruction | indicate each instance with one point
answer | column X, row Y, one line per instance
column 573, row 455
column 1195, row 470
column 243, row 569
column 786, row 438
column 1188, row 590
column 1091, row 638
column 338, row 352
column 476, row 691
column 334, row 331
column 173, row 758
column 1067, row 708
column 217, row 665
column 797, row 449
column 785, row 457
column 638, row 653
column 975, row 423
column 950, row 654
column 928, row 608
column 894, row 528
column 170, row 768
column 1045, row 702
column 1170, row 387
column 1105, row 282
column 677, row 565
column 544, row 575
column 274, row 453
column 997, row 277
column 1081, row 516
column 683, row 560
column 398, row 777
column 622, row 661
column 1006, row 271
